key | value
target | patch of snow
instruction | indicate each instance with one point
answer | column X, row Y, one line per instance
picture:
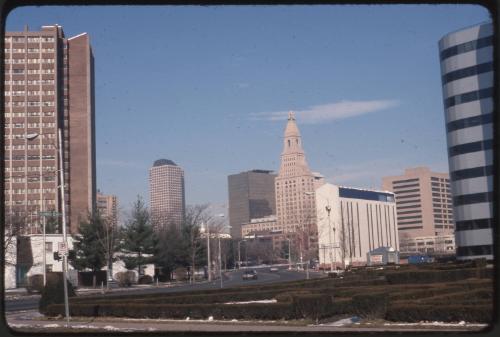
column 111, row 328
column 234, row 320
column 436, row 323
column 187, row 318
column 211, row 318
column 53, row 325
column 258, row 301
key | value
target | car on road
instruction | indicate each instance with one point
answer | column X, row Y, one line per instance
column 273, row 269
column 249, row 275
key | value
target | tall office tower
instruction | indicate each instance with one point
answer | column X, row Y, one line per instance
column 467, row 77
column 294, row 185
column 107, row 205
column 251, row 196
column 166, row 194
column 49, row 85
column 423, row 202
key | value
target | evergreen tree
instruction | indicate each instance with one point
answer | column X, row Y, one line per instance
column 89, row 251
column 138, row 236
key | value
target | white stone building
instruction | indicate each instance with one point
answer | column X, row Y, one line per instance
column 358, row 221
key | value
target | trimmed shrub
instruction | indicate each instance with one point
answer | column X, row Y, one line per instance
column 311, row 306
column 373, row 305
column 145, row 279
column 125, row 278
column 53, row 293
column 433, row 276
column 402, row 312
column 35, row 283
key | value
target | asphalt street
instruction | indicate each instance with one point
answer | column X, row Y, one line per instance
column 231, row 279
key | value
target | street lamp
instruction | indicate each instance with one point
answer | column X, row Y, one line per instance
column 328, row 209
column 209, row 271
column 239, row 253
column 289, row 255
column 33, row 136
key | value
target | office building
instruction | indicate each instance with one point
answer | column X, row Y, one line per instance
column 264, row 224
column 467, row 79
column 166, row 194
column 353, row 222
column 251, row 196
column 49, row 85
column 294, row 185
column 423, row 202
column 107, row 205
column 443, row 245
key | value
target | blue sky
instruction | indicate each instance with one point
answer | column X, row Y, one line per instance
column 208, row 87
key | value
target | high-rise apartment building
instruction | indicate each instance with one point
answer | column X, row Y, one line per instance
column 251, row 196
column 467, row 78
column 423, row 202
column 107, row 205
column 166, row 194
column 49, row 85
column 294, row 185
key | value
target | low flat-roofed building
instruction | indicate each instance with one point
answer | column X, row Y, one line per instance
column 428, row 245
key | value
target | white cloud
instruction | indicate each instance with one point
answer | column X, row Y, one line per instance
column 330, row 111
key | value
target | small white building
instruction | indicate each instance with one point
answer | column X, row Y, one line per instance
column 429, row 245
column 352, row 222
column 30, row 253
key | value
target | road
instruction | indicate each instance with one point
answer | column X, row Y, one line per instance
column 231, row 280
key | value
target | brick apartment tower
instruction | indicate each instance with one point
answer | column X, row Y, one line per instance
column 423, row 202
column 166, row 194
column 107, row 205
column 294, row 186
column 49, row 84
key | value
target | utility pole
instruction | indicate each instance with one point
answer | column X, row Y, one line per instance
column 208, row 254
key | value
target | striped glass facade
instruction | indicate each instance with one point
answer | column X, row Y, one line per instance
column 467, row 78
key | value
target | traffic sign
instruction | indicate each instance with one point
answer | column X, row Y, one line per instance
column 62, row 248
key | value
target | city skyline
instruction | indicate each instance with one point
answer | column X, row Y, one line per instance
column 216, row 89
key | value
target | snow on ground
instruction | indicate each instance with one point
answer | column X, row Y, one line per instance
column 461, row 323
column 259, row 301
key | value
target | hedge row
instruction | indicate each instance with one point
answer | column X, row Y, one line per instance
column 425, row 276
column 402, row 312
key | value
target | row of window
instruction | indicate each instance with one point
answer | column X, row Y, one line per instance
column 398, row 193
column 466, row 47
column 21, row 136
column 31, row 125
column 31, row 169
column 468, row 97
column 466, row 72
column 30, row 71
column 474, row 172
column 30, row 114
column 31, row 157
column 30, row 50
column 30, row 190
column 399, row 187
column 29, row 103
column 475, row 250
column 408, row 202
column 473, row 198
column 30, row 82
column 409, row 217
column 30, row 92
column 29, row 179
column 29, row 39
column 404, row 181
column 410, row 212
column 469, row 122
column 30, row 61
column 31, row 202
column 405, row 207
column 440, row 179
column 468, row 225
column 399, row 197
column 471, row 147
column 409, row 222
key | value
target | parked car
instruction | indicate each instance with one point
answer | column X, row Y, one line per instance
column 249, row 275
column 273, row 269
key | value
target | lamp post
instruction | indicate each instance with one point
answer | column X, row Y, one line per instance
column 239, row 253
column 63, row 206
column 209, row 271
column 328, row 208
column 289, row 254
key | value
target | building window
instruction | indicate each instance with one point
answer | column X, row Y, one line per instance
column 48, row 247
